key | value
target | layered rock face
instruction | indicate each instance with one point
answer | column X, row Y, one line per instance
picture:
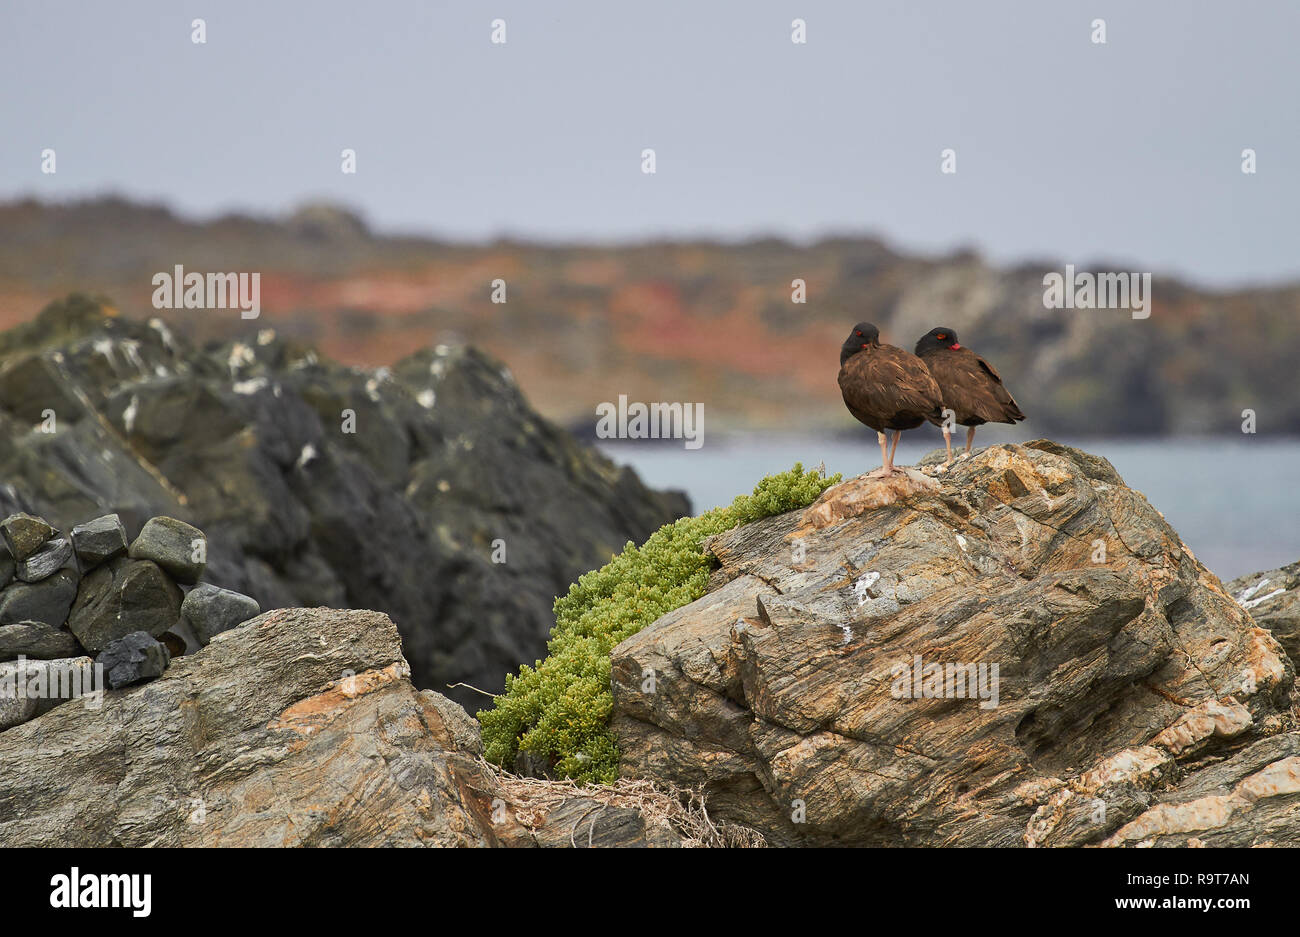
column 298, row 728
column 1017, row 652
column 430, row 491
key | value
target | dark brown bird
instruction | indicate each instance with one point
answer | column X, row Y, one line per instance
column 886, row 388
column 972, row 389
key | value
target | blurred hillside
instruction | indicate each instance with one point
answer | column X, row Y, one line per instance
column 683, row 321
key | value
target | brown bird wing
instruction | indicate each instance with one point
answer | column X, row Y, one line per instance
column 1010, row 409
column 992, row 372
column 972, row 388
column 885, row 385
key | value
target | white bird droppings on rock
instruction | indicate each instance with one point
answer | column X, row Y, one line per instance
column 128, row 415
column 1253, row 590
column 131, row 348
column 250, row 386
column 104, row 346
column 1263, row 598
column 240, row 355
column 164, row 333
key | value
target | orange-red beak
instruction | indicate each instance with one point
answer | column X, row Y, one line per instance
column 954, row 345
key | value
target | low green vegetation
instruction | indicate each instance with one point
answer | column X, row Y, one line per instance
column 560, row 708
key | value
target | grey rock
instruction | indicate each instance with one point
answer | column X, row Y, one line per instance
column 264, row 736
column 1273, row 600
column 1247, row 800
column 34, row 383
column 15, row 707
column 132, row 658
column 172, row 544
column 56, row 554
column 99, row 540
column 36, row 639
column 404, row 766
column 399, row 517
column 210, row 610
column 24, row 534
column 122, row 596
column 46, row 601
column 32, row 687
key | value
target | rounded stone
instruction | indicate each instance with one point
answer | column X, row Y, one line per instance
column 179, row 548
column 24, row 534
column 122, row 596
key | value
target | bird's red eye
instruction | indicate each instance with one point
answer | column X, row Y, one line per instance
column 941, row 336
column 859, row 334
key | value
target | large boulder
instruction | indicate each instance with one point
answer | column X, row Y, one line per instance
column 1017, row 652
column 430, row 490
column 299, row 728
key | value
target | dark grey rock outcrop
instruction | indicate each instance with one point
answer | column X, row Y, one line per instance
column 429, row 490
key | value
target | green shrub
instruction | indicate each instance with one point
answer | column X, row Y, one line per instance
column 560, row 707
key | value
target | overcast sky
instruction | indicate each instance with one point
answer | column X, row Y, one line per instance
column 1066, row 149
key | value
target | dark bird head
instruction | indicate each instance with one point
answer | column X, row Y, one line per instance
column 863, row 334
column 936, row 340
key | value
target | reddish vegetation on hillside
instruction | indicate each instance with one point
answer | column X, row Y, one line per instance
column 681, row 321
